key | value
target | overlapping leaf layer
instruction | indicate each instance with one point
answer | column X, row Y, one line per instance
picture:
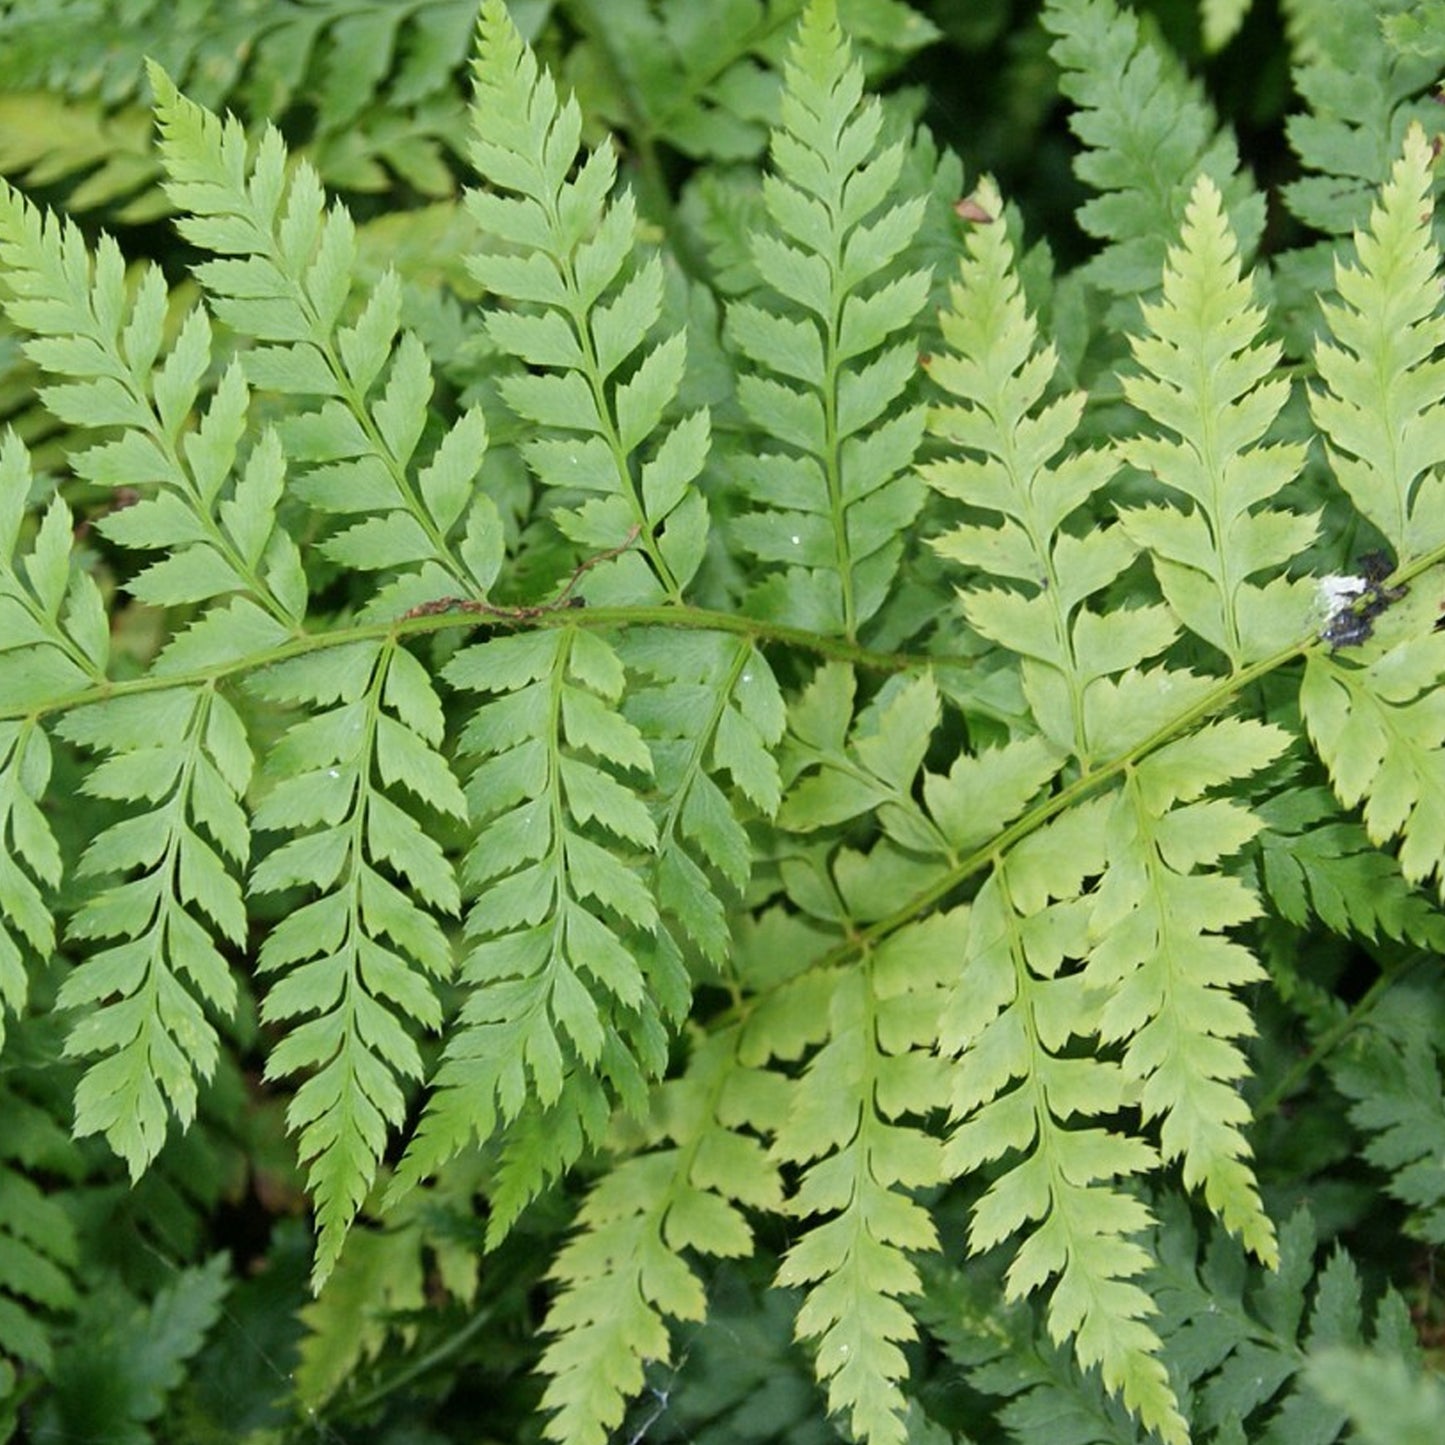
column 822, row 808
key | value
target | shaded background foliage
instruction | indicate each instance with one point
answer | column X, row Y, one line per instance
column 180, row 1308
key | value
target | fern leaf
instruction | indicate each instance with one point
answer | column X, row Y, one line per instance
column 1381, row 409
column 1206, row 381
column 38, row 1238
column 1165, row 968
column 1020, row 1005
column 1361, row 99
column 710, row 705
column 834, row 508
column 1069, row 654
column 553, row 985
column 56, row 641
column 1148, row 130
column 1242, row 1338
column 843, row 1124
column 87, row 329
column 284, row 280
column 1317, row 863
column 359, row 956
column 185, row 752
column 1390, row 1070
column 623, row 1275
column 1386, row 1401
column 104, row 153
column 1379, row 727
column 1011, row 1019
column 582, row 311
column 1004, row 1354
column 383, row 1280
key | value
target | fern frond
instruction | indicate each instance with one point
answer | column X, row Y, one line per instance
column 285, row 280
column 1207, row 382
column 1390, row 1070
column 1004, row 1354
column 107, row 346
column 623, row 1275
column 185, row 752
column 999, row 375
column 55, row 641
column 844, row 1125
column 555, row 984
column 1149, row 131
column 105, row 158
column 834, row 508
column 1167, row 972
column 384, row 1278
column 1011, row 1018
column 1157, row 911
column 360, row 70
column 1387, row 1402
column 881, row 1018
column 582, row 309
column 1361, row 100
column 1241, row 1337
column 709, row 706
column 1379, row 726
column 347, row 783
column 39, row 1245
column 1381, row 409
column 1317, row 863
column 704, row 81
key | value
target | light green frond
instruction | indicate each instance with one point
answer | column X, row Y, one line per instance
column 107, row 346
column 844, row 1124
column 1149, row 130
column 626, row 1272
column 144, row 1002
column 1017, row 1090
column 578, row 306
column 1010, row 457
column 1207, row 382
column 562, row 917
column 832, row 509
column 1380, row 726
column 711, row 711
column 1381, row 409
column 355, row 962
column 1168, row 972
column 285, row 279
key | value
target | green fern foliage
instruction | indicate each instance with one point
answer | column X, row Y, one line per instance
column 1206, row 327
column 831, row 510
column 625, row 1273
column 671, row 838
column 1148, row 130
column 581, row 310
column 347, row 782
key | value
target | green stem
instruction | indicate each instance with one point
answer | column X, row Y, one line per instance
column 679, row 617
